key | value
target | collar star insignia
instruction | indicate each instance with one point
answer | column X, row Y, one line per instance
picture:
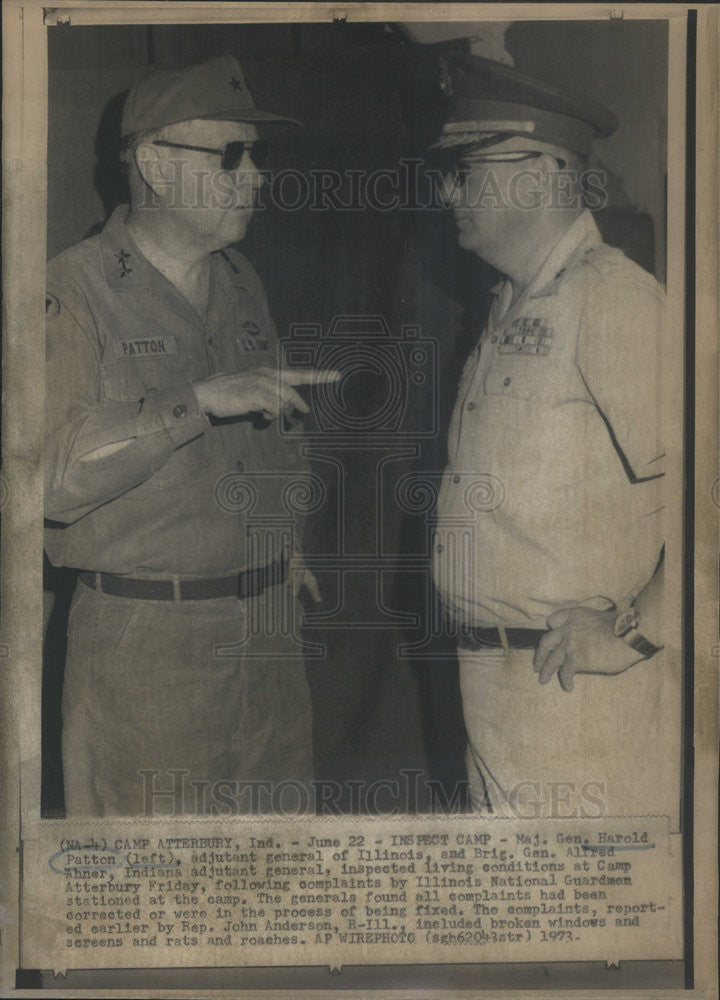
column 236, row 84
column 122, row 258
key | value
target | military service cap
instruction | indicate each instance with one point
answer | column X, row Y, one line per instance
column 213, row 89
column 489, row 102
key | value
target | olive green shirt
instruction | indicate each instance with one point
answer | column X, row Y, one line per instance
column 138, row 480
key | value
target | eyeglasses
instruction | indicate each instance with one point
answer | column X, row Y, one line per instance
column 257, row 149
column 460, row 170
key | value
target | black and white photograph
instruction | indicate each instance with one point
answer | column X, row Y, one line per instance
column 359, row 513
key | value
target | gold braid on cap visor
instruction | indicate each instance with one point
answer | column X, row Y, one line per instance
column 482, row 134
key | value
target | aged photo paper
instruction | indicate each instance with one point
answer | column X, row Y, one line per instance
column 359, row 499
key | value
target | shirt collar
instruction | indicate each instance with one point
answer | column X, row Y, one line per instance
column 124, row 265
column 229, row 274
column 581, row 236
column 127, row 269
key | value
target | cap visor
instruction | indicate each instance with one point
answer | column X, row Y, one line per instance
column 250, row 115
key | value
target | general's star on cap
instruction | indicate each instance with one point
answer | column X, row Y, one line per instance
column 214, row 89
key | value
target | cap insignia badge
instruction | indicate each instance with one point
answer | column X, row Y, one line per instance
column 445, row 79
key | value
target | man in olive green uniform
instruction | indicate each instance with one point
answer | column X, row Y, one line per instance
column 166, row 428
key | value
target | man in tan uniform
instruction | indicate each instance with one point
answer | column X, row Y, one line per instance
column 549, row 549
column 184, row 681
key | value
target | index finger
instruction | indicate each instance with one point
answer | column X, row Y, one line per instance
column 552, row 664
column 308, row 376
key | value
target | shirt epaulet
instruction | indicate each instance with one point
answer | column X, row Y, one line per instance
column 602, row 257
column 83, row 255
column 611, row 264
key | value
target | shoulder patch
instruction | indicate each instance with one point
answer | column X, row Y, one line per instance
column 52, row 306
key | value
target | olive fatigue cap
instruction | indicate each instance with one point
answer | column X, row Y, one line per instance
column 214, row 89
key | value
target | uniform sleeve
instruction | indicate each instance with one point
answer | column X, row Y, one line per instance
column 97, row 449
column 619, row 357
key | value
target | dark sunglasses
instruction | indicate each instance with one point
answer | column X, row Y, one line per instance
column 232, row 154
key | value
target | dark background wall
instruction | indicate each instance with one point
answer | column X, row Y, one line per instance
column 355, row 87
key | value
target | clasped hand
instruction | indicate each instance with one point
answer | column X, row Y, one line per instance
column 581, row 641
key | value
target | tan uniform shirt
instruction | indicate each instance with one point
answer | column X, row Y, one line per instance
column 138, row 480
column 552, row 492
